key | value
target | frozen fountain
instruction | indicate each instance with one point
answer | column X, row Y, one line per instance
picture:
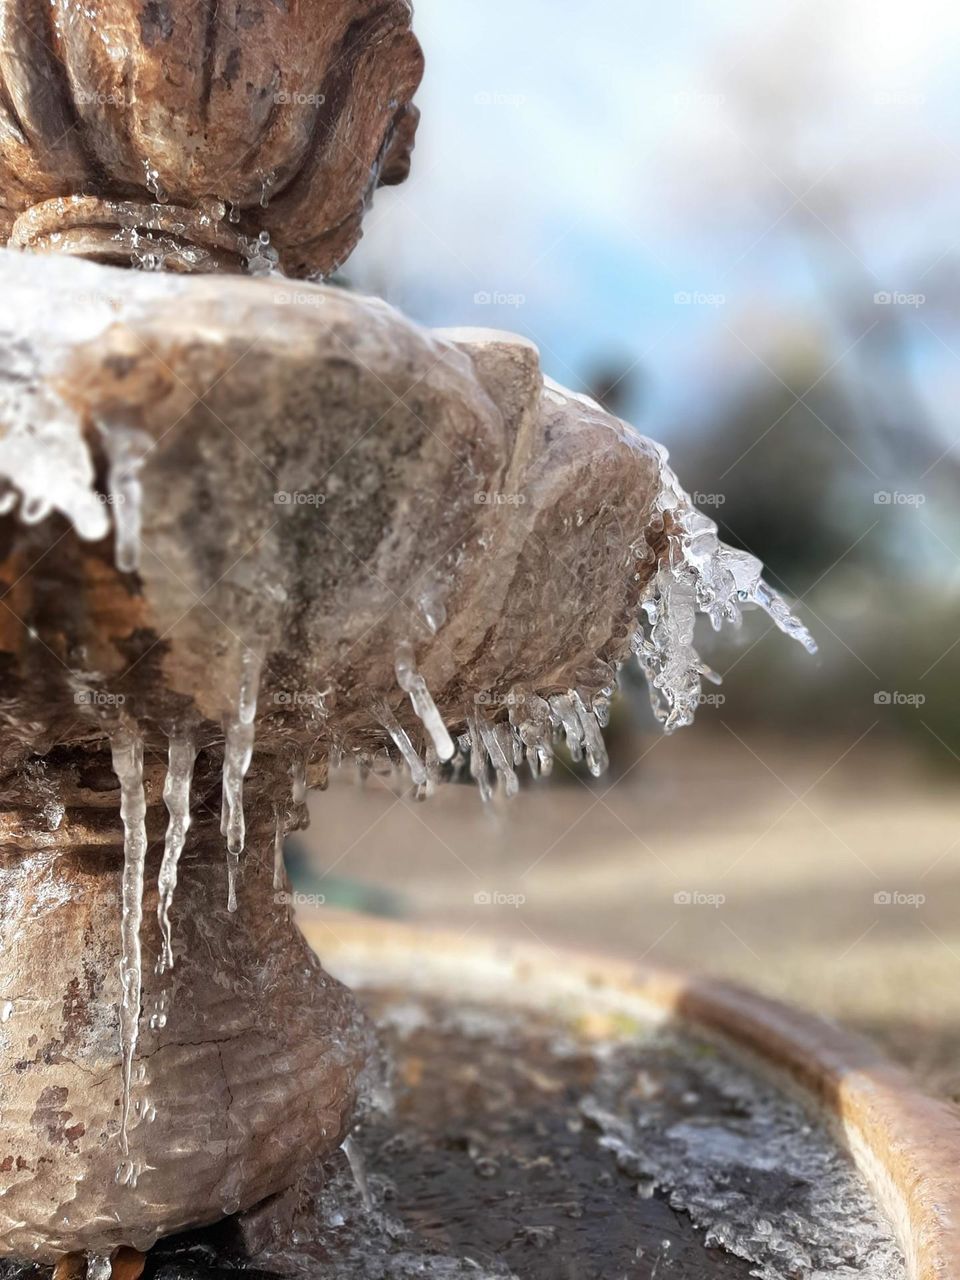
column 254, row 526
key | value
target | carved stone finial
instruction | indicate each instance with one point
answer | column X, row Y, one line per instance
column 181, row 130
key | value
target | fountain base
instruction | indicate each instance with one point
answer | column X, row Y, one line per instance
column 248, row 1054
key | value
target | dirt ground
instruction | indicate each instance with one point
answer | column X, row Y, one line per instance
column 824, row 872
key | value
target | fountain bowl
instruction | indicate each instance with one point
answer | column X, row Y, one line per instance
column 904, row 1144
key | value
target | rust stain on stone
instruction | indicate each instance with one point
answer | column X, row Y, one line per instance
column 76, row 1013
column 50, row 1114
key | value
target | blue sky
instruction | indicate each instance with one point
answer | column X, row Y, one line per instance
column 584, row 164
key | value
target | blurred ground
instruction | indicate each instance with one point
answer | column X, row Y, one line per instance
column 756, row 857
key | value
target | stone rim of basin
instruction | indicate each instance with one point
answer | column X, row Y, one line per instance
column 904, row 1143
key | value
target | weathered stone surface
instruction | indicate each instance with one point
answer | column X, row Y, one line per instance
column 248, row 1053
column 321, row 477
column 289, row 115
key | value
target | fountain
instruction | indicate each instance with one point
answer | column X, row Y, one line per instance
column 254, row 526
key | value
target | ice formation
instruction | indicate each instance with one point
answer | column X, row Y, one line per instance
column 401, row 740
column 278, row 834
column 415, row 687
column 697, row 574
column 127, row 752
column 358, row 1169
column 497, row 741
column 176, row 797
column 715, row 1173
column 126, row 450
column 237, row 755
column 99, row 1267
column 45, row 459
column 477, row 748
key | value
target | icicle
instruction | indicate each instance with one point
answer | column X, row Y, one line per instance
column 267, row 182
column 601, row 706
column 776, row 607
column 158, row 1019
column 182, row 752
column 562, row 706
column 695, row 573
column 432, row 770
column 298, row 778
column 415, row 687
column 530, row 714
column 127, row 753
column 494, row 743
column 237, row 754
column 358, row 1168
column 278, row 834
column 668, row 659
column 596, row 752
column 402, row 741
column 478, row 759
column 296, row 814
column 153, row 184
column 126, row 450
column 99, row 1266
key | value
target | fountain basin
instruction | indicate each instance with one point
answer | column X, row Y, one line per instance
column 902, row 1144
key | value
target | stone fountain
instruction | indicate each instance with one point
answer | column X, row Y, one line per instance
column 252, row 526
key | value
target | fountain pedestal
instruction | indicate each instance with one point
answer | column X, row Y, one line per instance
column 248, row 1053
